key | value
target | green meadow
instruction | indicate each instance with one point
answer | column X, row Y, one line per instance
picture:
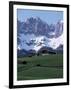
column 40, row 67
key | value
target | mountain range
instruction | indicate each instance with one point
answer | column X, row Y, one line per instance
column 34, row 33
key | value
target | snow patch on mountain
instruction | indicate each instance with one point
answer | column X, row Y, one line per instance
column 29, row 42
column 56, row 42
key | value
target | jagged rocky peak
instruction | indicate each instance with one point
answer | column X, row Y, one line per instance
column 36, row 26
column 34, row 33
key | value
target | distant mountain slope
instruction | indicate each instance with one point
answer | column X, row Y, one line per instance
column 34, row 34
column 38, row 27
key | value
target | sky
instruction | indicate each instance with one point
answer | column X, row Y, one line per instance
column 51, row 17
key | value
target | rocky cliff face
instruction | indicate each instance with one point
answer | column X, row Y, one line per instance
column 35, row 34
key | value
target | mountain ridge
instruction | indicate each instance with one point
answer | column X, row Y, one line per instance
column 35, row 34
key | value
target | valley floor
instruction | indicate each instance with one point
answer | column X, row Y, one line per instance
column 40, row 67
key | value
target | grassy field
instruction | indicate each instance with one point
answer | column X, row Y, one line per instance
column 40, row 67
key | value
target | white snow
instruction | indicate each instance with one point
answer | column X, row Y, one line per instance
column 39, row 42
column 51, row 33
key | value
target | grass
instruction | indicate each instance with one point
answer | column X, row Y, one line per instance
column 40, row 67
